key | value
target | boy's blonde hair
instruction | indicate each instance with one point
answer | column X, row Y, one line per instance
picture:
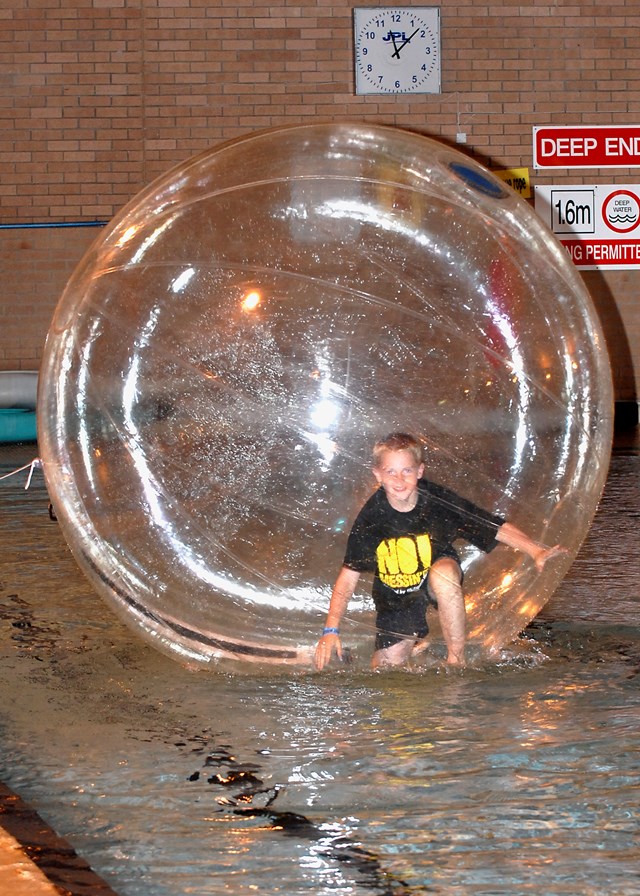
column 398, row 441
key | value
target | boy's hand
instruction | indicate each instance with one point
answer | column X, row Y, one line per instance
column 324, row 649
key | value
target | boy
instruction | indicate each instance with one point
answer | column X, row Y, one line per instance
column 405, row 534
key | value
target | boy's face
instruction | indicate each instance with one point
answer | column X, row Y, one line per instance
column 398, row 474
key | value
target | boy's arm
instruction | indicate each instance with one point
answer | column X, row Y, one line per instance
column 514, row 538
column 342, row 592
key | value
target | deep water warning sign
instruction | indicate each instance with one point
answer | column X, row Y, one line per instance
column 598, row 225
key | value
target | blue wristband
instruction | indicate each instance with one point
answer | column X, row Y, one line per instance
column 330, row 630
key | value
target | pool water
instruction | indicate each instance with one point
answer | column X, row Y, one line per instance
column 514, row 778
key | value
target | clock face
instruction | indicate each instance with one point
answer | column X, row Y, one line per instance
column 397, row 50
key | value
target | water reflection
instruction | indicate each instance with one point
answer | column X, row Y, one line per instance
column 521, row 777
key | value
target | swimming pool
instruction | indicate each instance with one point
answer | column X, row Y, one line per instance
column 520, row 777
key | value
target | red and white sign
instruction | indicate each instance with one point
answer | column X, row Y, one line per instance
column 598, row 225
column 595, row 146
column 621, row 211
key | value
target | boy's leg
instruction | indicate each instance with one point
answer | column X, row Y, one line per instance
column 396, row 655
column 394, row 643
column 445, row 587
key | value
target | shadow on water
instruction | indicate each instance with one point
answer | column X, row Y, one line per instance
column 244, row 794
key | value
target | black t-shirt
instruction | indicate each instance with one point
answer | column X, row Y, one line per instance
column 399, row 547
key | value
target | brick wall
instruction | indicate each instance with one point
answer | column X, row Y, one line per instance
column 97, row 97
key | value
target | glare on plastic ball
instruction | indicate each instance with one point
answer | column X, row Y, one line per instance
column 235, row 341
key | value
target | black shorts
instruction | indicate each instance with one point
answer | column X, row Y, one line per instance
column 406, row 618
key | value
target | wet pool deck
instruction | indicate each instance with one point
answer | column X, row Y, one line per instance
column 35, row 861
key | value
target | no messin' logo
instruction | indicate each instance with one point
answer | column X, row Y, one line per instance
column 621, row 211
column 403, row 562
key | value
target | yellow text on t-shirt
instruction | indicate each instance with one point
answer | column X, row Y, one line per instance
column 402, row 562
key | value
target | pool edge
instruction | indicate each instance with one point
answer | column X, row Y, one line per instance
column 37, row 861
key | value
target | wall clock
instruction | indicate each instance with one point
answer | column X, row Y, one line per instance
column 397, row 49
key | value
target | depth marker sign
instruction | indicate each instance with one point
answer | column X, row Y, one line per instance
column 598, row 225
column 595, row 146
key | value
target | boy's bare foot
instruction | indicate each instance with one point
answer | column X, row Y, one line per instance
column 420, row 646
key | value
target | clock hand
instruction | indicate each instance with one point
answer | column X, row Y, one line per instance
column 396, row 50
